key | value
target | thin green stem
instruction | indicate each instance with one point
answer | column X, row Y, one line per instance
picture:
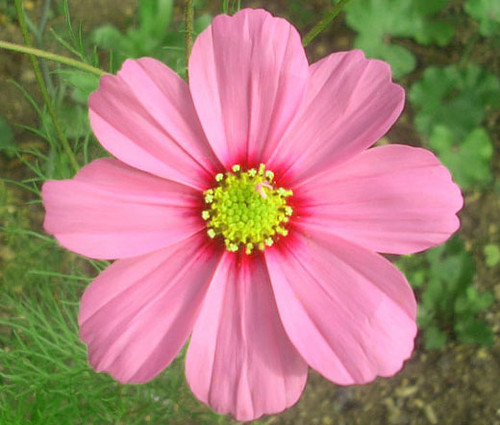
column 323, row 24
column 188, row 19
column 43, row 88
column 45, row 17
column 51, row 56
column 40, row 44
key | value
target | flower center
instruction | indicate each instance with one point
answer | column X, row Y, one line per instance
column 246, row 209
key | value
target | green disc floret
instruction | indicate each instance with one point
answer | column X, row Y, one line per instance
column 246, row 209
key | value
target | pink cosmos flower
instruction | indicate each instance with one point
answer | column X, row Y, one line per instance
column 269, row 268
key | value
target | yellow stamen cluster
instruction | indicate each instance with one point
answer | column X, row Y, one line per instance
column 246, row 209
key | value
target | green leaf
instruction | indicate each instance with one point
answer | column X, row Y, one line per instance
column 451, row 271
column 469, row 159
column 155, row 16
column 73, row 119
column 107, row 37
column 379, row 21
column 434, row 338
column 201, row 23
column 430, row 7
column 7, row 144
column 401, row 59
column 452, row 263
column 418, row 278
column 448, row 303
column 492, row 255
column 303, row 13
column 487, row 12
column 434, row 294
column 415, row 269
column 438, row 32
column 454, row 98
column 424, row 316
column 83, row 83
column 153, row 37
column 472, row 302
column 474, row 331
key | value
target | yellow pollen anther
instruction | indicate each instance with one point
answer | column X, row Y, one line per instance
column 246, row 209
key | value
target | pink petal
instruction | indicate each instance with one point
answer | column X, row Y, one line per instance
column 351, row 103
column 349, row 312
column 240, row 360
column 247, row 75
column 145, row 117
column 394, row 199
column 136, row 316
column 110, row 210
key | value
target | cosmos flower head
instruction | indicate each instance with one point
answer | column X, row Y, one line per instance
column 247, row 213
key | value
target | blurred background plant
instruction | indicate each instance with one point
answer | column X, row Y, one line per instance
column 155, row 35
column 449, row 303
column 441, row 51
column 378, row 23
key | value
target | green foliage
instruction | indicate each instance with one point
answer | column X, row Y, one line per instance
column 81, row 83
column 230, row 7
column 45, row 378
column 48, row 380
column 469, row 159
column 7, row 145
column 492, row 255
column 378, row 22
column 51, row 164
column 73, row 120
column 451, row 104
column 449, row 304
column 8, row 7
column 434, row 338
column 154, row 36
column 455, row 98
column 487, row 12
column 303, row 13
